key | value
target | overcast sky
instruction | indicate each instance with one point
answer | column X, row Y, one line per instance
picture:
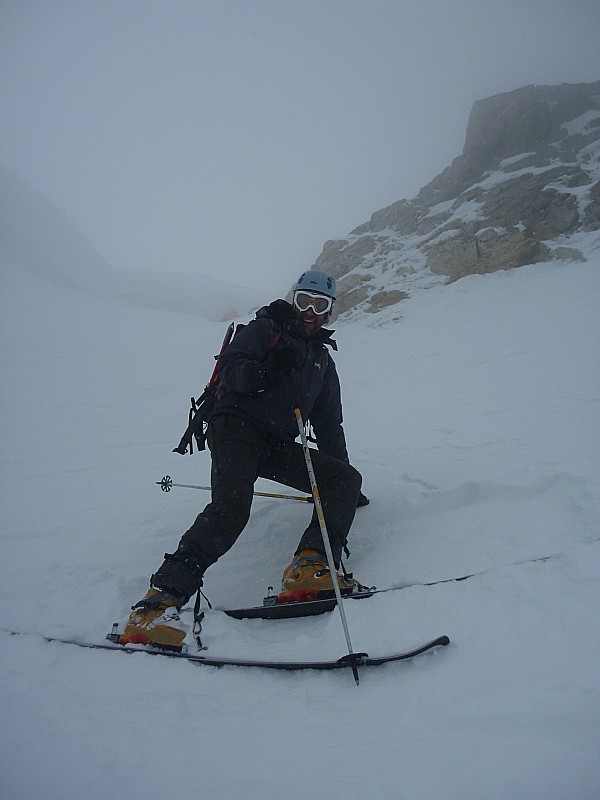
column 234, row 137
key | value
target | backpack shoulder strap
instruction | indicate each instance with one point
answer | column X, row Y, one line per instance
column 274, row 335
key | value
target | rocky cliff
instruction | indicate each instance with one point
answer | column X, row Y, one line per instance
column 525, row 189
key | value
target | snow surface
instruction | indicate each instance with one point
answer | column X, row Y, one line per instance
column 43, row 240
column 474, row 420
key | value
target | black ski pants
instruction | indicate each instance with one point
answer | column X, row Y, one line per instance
column 240, row 454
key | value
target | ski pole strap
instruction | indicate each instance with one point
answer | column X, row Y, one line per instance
column 197, row 629
column 198, row 617
column 200, row 594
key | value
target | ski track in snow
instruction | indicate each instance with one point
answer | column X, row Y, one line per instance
column 473, row 418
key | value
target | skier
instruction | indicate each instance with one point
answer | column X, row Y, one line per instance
column 277, row 362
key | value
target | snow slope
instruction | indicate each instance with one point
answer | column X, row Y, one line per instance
column 43, row 240
column 473, row 418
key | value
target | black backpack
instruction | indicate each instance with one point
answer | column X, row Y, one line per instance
column 201, row 409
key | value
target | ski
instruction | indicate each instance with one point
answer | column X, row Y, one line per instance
column 349, row 661
column 271, row 609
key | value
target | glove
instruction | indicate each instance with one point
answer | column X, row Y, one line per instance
column 282, row 362
column 362, row 500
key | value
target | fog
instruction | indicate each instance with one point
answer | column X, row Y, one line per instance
column 234, row 138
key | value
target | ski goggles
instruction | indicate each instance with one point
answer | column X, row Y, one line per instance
column 320, row 303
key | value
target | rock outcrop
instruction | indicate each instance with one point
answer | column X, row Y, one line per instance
column 526, row 184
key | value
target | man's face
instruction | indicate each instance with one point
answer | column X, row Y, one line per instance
column 311, row 322
column 306, row 306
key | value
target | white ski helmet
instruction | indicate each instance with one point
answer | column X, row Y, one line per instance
column 314, row 280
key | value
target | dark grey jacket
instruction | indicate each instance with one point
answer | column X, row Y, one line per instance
column 315, row 388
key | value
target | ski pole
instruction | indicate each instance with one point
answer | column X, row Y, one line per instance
column 351, row 658
column 166, row 484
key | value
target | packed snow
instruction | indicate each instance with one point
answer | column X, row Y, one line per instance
column 471, row 411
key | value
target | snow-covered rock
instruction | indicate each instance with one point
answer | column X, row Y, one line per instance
column 525, row 187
